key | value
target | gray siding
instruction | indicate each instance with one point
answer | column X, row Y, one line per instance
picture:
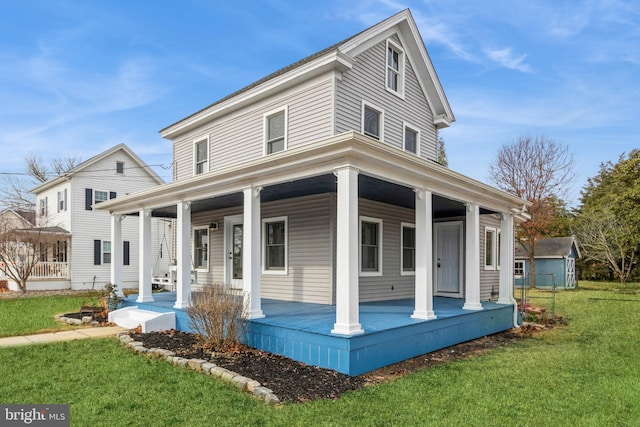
column 239, row 137
column 489, row 279
column 366, row 82
column 377, row 288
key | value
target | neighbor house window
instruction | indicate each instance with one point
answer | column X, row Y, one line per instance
column 408, row 243
column 100, row 196
column 395, row 68
column 201, row 156
column 275, row 245
column 201, row 248
column 106, row 252
column 370, row 246
column 490, row 248
column 411, row 139
column 43, row 206
column 518, row 268
column 372, row 121
column 120, row 167
column 62, row 200
column 275, row 131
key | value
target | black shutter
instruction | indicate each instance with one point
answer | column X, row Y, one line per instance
column 125, row 252
column 88, row 199
column 97, row 252
column 112, row 195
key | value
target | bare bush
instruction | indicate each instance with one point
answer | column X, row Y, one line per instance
column 216, row 314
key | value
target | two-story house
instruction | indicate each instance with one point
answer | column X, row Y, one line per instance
column 84, row 255
column 316, row 190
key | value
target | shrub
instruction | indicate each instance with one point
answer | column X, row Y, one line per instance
column 216, row 314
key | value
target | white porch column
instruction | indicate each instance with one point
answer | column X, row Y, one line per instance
column 144, row 267
column 472, row 258
column 251, row 252
column 424, row 256
column 183, row 253
column 347, row 232
column 506, row 259
column 116, row 253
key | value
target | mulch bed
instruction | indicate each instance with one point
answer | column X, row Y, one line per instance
column 296, row 382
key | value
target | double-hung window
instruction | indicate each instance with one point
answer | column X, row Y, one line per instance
column 408, row 254
column 100, row 196
column 106, row 252
column 201, row 156
column 370, row 246
column 411, row 139
column 275, row 245
column 275, row 131
column 395, row 69
column 490, row 239
column 120, row 168
column 201, row 248
column 372, row 121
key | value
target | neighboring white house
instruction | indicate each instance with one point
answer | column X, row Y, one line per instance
column 82, row 258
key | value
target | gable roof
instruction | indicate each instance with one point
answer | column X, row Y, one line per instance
column 87, row 163
column 28, row 218
column 551, row 247
column 340, row 56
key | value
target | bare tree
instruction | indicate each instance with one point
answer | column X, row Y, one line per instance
column 36, row 168
column 14, row 194
column 62, row 165
column 21, row 249
column 539, row 170
column 604, row 237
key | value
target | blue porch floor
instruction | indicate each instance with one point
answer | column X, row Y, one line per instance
column 302, row 331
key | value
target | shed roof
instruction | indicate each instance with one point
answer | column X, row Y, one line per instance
column 551, row 247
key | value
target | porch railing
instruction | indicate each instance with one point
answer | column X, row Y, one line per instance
column 50, row 270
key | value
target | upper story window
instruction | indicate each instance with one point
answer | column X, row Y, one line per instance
column 411, row 139
column 275, row 131
column 120, row 168
column 62, row 200
column 370, row 246
column 372, row 121
column 395, row 68
column 43, row 206
column 201, row 156
column 275, row 245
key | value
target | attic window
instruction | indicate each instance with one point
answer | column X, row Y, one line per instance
column 275, row 131
column 201, row 156
column 120, row 168
column 395, row 68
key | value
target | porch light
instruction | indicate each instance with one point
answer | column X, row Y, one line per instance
column 213, row 226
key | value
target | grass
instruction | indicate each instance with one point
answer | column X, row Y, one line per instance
column 30, row 315
column 584, row 374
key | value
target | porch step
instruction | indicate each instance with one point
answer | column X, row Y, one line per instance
column 149, row 321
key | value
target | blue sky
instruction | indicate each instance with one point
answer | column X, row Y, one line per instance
column 77, row 77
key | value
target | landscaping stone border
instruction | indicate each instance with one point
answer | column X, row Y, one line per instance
column 86, row 320
column 239, row 381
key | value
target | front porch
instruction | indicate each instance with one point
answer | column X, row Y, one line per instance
column 302, row 331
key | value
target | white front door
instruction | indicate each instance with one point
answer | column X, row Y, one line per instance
column 448, row 256
column 233, row 250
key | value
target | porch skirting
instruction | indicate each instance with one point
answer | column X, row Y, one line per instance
column 302, row 331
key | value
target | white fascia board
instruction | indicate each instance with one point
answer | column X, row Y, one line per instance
column 333, row 60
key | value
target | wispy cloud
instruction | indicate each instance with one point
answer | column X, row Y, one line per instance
column 506, row 58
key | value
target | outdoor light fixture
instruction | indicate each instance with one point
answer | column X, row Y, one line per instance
column 213, row 226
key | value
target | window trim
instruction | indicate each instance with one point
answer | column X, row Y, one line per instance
column 44, row 208
column 206, row 169
column 401, row 68
column 265, row 270
column 515, row 263
column 417, row 131
column 404, row 272
column 494, row 233
column 193, row 247
column 118, row 163
column 103, row 252
column 265, row 129
column 379, row 222
column 380, row 112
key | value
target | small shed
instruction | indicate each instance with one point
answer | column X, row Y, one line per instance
column 555, row 259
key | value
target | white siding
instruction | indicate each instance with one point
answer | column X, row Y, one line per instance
column 489, row 279
column 366, row 82
column 239, row 137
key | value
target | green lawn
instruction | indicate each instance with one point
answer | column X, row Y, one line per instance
column 584, row 374
column 23, row 316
